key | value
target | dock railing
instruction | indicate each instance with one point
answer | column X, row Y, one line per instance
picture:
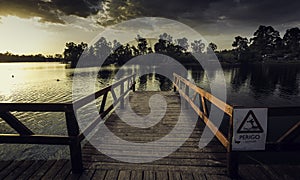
column 74, row 135
column 286, row 142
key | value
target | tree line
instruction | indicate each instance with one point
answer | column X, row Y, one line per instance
column 117, row 53
column 9, row 57
column 265, row 45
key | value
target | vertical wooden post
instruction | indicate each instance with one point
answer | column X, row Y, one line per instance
column 121, row 95
column 186, row 104
column 232, row 156
column 75, row 146
column 174, row 83
column 133, row 83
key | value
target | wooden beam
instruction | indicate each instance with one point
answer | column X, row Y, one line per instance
column 34, row 139
column 34, row 107
column 291, row 134
column 17, row 125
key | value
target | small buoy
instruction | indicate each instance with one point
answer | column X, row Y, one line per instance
column 12, row 76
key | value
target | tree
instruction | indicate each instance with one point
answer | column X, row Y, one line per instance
column 102, row 48
column 197, row 46
column 266, row 40
column 291, row 40
column 142, row 44
column 212, row 46
column 240, row 43
column 183, row 42
column 73, row 52
column 241, row 48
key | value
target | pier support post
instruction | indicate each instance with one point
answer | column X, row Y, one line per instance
column 232, row 156
column 75, row 146
column 233, row 164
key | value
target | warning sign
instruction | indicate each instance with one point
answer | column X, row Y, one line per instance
column 249, row 129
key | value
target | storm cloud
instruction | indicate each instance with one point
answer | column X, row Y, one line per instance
column 49, row 10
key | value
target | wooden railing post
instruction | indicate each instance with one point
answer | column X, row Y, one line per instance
column 186, row 104
column 133, row 84
column 232, row 156
column 121, row 95
column 75, row 146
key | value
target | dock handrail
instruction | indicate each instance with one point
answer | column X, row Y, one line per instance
column 75, row 136
column 283, row 143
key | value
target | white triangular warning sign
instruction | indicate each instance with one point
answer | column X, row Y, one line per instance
column 250, row 124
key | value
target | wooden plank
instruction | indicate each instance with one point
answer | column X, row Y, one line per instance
column 4, row 164
column 112, row 174
column 4, row 172
column 99, row 174
column 217, row 177
column 187, row 176
column 136, row 175
column 162, row 175
column 32, row 169
column 198, row 176
column 64, row 171
column 17, row 171
column 174, row 175
column 42, row 170
column 148, row 175
column 124, row 175
column 87, row 174
column 57, row 166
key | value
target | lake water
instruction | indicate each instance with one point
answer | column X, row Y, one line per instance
column 251, row 85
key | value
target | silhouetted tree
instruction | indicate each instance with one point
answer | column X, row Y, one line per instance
column 73, row 52
column 142, row 44
column 183, row 42
column 213, row 46
column 291, row 41
column 265, row 41
column 102, row 48
column 197, row 46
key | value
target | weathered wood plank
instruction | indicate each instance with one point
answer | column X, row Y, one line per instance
column 10, row 168
column 162, row 175
column 99, row 174
column 111, row 175
column 54, row 169
column 31, row 170
column 17, row 171
column 136, row 175
column 174, row 175
column 124, row 175
column 148, row 175
column 43, row 169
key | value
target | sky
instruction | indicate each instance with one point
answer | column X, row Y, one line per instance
column 44, row 26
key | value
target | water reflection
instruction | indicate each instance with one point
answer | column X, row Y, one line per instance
column 252, row 82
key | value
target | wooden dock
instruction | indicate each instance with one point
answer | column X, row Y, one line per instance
column 186, row 162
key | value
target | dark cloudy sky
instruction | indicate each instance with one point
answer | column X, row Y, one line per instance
column 33, row 26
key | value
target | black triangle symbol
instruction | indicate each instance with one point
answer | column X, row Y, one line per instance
column 255, row 127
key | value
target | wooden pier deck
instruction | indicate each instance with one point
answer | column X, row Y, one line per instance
column 188, row 162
